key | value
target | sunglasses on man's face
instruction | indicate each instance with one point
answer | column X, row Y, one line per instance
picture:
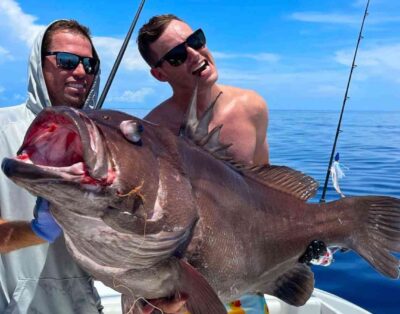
column 69, row 61
column 178, row 55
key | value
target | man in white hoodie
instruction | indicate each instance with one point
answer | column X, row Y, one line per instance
column 63, row 70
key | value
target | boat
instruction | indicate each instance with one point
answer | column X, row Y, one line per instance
column 321, row 302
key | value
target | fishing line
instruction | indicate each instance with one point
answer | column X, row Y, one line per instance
column 353, row 65
column 119, row 58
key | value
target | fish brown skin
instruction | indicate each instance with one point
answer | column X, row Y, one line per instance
column 155, row 215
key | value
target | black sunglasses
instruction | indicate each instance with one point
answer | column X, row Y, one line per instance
column 69, row 61
column 177, row 55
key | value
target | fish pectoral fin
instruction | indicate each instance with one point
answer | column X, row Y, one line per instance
column 295, row 286
column 201, row 296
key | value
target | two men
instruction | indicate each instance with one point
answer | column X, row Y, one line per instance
column 63, row 76
column 63, row 70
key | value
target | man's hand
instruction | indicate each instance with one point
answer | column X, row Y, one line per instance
column 44, row 225
column 175, row 306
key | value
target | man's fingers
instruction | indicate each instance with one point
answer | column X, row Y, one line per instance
column 175, row 306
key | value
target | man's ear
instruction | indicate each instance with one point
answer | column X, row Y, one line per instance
column 158, row 74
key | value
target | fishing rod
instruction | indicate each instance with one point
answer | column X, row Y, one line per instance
column 119, row 58
column 328, row 172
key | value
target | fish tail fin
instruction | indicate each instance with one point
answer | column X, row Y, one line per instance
column 380, row 235
column 201, row 297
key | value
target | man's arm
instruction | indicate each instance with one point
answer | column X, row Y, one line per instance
column 16, row 235
column 261, row 151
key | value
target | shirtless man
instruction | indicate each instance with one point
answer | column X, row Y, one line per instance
column 178, row 55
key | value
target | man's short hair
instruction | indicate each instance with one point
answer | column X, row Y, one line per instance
column 150, row 32
column 71, row 26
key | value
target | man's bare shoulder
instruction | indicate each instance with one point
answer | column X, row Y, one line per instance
column 167, row 114
column 249, row 100
column 156, row 114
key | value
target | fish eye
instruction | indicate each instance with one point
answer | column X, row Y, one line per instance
column 132, row 131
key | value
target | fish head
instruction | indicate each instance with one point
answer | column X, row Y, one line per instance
column 80, row 160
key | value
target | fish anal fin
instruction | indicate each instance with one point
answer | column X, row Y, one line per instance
column 201, row 298
column 286, row 180
column 295, row 286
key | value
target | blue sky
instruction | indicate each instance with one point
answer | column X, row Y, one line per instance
column 296, row 54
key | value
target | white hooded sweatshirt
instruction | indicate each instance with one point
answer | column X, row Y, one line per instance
column 43, row 278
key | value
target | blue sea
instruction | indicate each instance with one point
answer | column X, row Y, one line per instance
column 369, row 147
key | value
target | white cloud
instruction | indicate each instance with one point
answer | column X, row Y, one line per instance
column 3, row 96
column 339, row 18
column 230, row 75
column 268, row 57
column 5, row 55
column 108, row 49
column 22, row 26
column 380, row 60
column 17, row 23
column 317, row 83
column 137, row 96
column 329, row 90
column 332, row 18
column 18, row 97
column 374, row 4
column 359, row 3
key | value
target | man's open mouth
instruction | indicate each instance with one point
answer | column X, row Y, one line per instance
column 200, row 68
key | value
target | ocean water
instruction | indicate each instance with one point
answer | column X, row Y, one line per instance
column 369, row 146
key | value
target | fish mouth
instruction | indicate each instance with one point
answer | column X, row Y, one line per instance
column 62, row 143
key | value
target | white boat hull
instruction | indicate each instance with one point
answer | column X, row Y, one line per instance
column 321, row 302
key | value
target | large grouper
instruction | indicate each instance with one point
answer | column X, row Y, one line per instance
column 155, row 215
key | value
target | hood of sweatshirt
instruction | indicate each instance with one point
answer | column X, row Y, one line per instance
column 38, row 97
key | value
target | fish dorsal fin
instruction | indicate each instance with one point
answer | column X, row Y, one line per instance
column 197, row 130
column 281, row 178
column 190, row 122
column 284, row 179
column 295, row 286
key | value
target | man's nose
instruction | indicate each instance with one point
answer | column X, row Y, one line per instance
column 193, row 54
column 79, row 70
